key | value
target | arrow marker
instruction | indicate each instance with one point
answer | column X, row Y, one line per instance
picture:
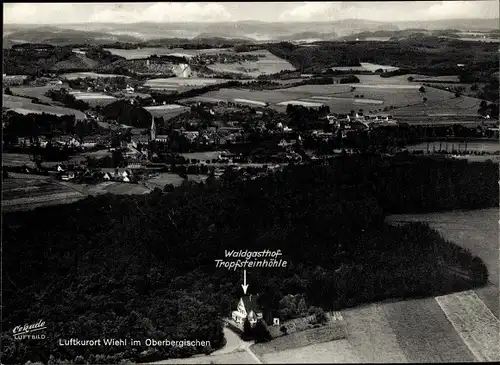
column 245, row 286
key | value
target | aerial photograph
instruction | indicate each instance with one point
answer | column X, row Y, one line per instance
column 250, row 182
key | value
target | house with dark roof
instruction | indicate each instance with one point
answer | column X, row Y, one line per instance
column 247, row 308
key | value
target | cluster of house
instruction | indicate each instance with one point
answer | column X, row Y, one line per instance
column 64, row 140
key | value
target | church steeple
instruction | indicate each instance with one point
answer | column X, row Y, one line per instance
column 153, row 129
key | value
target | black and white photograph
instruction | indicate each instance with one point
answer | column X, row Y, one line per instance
column 250, row 182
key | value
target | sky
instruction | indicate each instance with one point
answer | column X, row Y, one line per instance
column 60, row 13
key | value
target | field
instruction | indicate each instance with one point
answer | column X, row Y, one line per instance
column 406, row 99
column 17, row 159
column 93, row 75
column 25, row 106
column 365, row 66
column 475, row 324
column 328, row 352
column 268, row 64
column 118, row 188
column 135, row 54
column 202, row 156
column 177, row 83
column 487, row 146
column 166, row 111
column 240, row 357
column 93, row 98
column 452, row 328
column 407, row 331
column 36, row 91
column 476, row 231
column 22, row 192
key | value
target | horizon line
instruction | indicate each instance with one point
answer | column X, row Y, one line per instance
column 256, row 21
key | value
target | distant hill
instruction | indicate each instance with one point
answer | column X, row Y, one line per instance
column 308, row 35
column 62, row 36
column 95, row 33
column 214, row 37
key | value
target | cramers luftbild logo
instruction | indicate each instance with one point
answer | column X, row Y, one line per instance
column 34, row 331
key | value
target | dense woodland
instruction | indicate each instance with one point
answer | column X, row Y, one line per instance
column 143, row 266
column 421, row 55
column 124, row 112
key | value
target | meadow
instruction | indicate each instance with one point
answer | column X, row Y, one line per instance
column 486, row 146
column 166, row 178
column 93, row 98
column 119, row 188
column 405, row 100
column 167, row 111
column 268, row 64
column 181, row 83
column 22, row 191
column 140, row 53
column 36, row 92
column 93, row 75
column 25, row 106
column 365, row 66
column 17, row 159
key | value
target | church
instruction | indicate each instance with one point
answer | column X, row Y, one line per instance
column 157, row 143
column 247, row 308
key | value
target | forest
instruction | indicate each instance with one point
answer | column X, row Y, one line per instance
column 143, row 266
column 126, row 113
column 426, row 55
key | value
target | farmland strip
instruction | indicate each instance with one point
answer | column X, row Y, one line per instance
column 474, row 322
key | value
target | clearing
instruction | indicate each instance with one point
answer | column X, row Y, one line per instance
column 140, row 53
column 268, row 64
column 167, row 111
column 406, row 99
column 26, row 106
column 24, row 192
column 92, row 75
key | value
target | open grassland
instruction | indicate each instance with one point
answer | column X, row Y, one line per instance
column 163, row 179
column 166, row 111
column 202, row 156
column 406, row 331
column 118, row 188
column 365, row 66
column 486, row 146
column 93, row 98
column 476, row 231
column 92, row 75
column 268, row 64
column 451, row 106
column 330, row 352
column 135, row 54
column 475, row 324
column 22, row 192
column 36, row 92
column 327, row 333
column 405, row 100
column 17, row 159
column 240, row 357
column 181, row 84
column 25, row 106
column 424, row 333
